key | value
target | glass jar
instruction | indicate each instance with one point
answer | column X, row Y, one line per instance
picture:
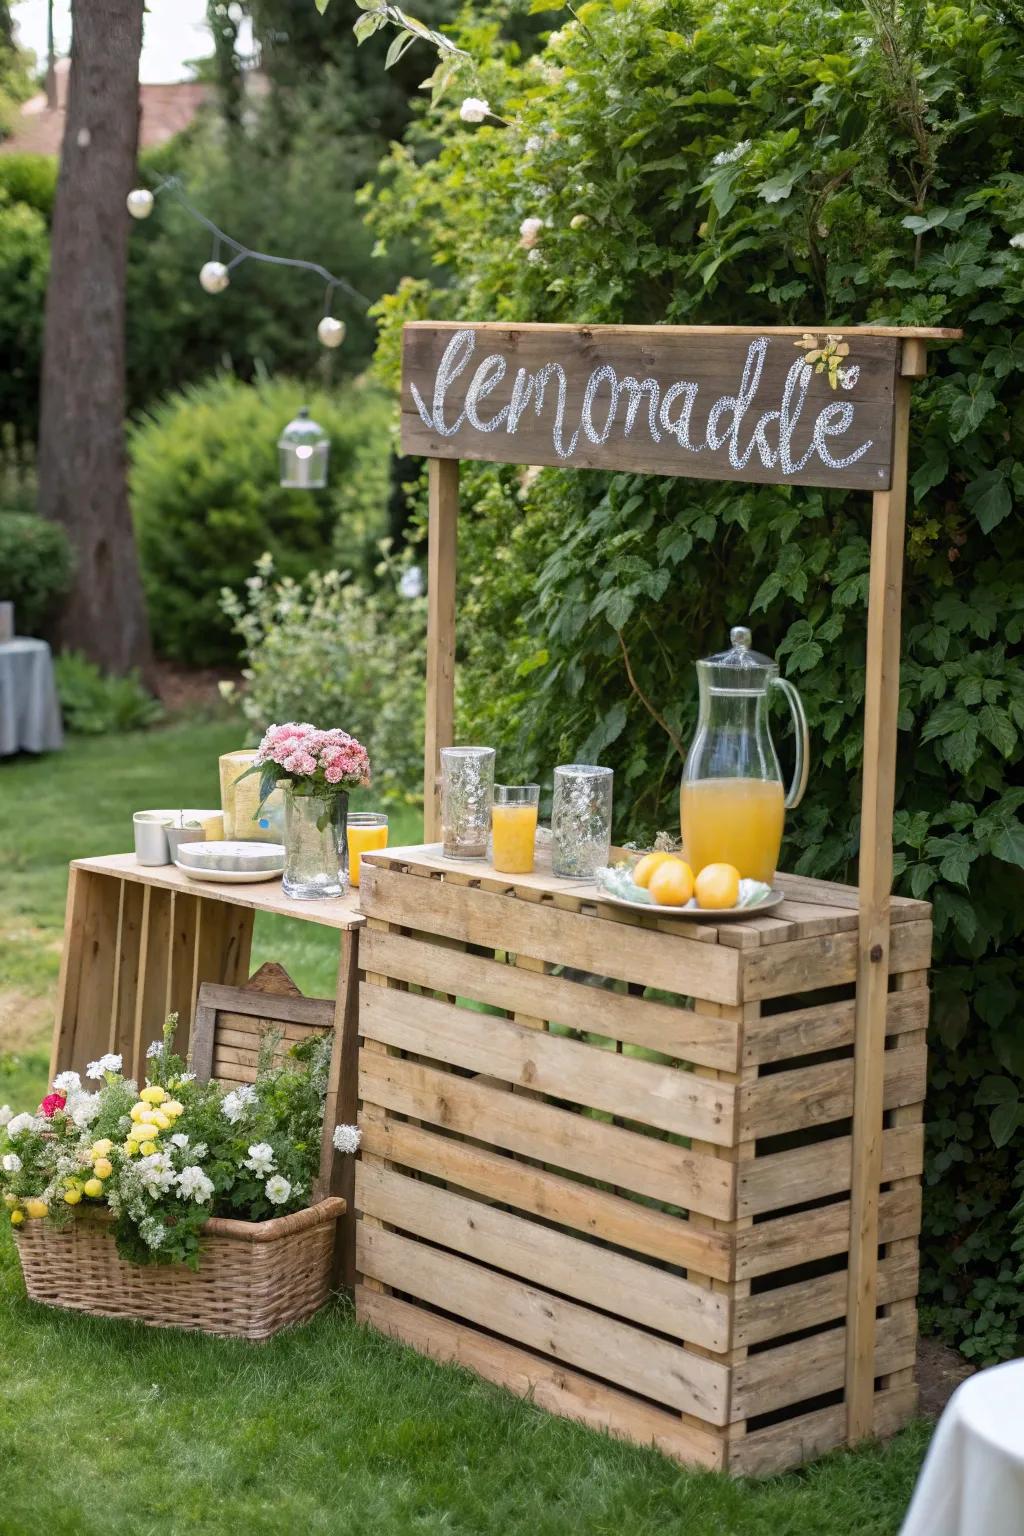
column 581, row 820
column 315, row 844
column 467, row 795
column 732, row 802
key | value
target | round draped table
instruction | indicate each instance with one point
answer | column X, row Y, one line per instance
column 972, row 1481
column 29, row 709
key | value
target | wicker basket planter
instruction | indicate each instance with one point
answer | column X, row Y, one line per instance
column 255, row 1278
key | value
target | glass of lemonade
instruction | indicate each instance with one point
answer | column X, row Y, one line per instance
column 366, row 830
column 514, row 827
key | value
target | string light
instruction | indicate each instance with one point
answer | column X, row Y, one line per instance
column 215, row 274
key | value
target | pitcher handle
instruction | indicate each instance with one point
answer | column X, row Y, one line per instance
column 801, row 739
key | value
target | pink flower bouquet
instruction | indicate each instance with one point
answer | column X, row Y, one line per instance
column 311, row 762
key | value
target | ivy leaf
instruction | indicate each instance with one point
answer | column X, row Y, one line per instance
column 989, row 498
column 1008, row 844
column 995, row 725
column 1004, row 1121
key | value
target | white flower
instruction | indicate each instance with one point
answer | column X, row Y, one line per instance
column 153, row 1049
column 67, row 1083
column 277, row 1189
column 474, row 109
column 261, row 1158
column 156, row 1173
column 97, row 1070
column 186, row 1077
column 6, row 1114
column 194, row 1185
column 199, row 1151
column 151, row 1231
column 730, row 156
column 1017, row 241
column 533, row 143
column 529, row 229
column 237, row 1102
column 535, row 255
column 347, row 1138
column 21, row 1123
column 179, row 1139
column 85, row 1109
column 12, row 1163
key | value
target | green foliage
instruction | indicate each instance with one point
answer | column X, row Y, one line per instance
column 35, row 568
column 339, row 654
column 775, row 163
column 24, row 265
column 207, row 502
column 94, row 704
column 29, row 179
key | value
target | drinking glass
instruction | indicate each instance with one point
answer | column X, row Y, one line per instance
column 467, row 794
column 366, row 830
column 514, row 827
column 581, row 820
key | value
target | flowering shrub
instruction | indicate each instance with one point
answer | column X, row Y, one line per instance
column 164, row 1158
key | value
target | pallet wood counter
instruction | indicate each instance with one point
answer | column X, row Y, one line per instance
column 607, row 1157
column 140, row 940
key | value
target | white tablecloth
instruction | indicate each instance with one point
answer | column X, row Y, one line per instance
column 29, row 710
column 972, row 1481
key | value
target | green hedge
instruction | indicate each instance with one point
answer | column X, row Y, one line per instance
column 35, row 568
column 796, row 164
column 207, row 502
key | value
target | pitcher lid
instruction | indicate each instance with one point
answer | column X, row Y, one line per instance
column 739, row 654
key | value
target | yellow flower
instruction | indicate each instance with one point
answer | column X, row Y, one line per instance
column 139, row 1111
column 72, row 1196
column 152, row 1095
column 17, row 1217
column 148, row 1148
column 37, row 1209
column 173, row 1108
column 101, row 1149
column 131, row 1147
column 93, row 1187
column 103, row 1168
column 161, row 1120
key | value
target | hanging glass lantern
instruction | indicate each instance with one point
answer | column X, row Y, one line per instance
column 304, row 448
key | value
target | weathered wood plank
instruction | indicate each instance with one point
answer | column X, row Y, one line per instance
column 622, row 1158
column 803, row 1031
column 657, row 400
column 809, row 1435
column 815, row 1095
column 614, row 1351
column 774, row 970
column 818, row 1234
column 660, row 1096
column 795, row 1373
column 810, row 1303
column 821, row 1169
column 549, row 1385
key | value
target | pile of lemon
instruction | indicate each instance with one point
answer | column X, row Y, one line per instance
column 670, row 882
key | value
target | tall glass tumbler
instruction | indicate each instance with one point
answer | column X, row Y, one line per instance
column 581, row 820
column 467, row 795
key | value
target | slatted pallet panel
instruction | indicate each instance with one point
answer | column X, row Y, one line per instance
column 607, row 1158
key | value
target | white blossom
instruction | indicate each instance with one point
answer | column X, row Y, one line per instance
column 347, row 1138
column 730, row 156
column 474, row 109
column 261, row 1158
column 6, row 1114
column 1017, row 240
column 535, row 255
column 12, row 1163
column 67, row 1083
column 153, row 1049
column 237, row 1102
column 277, row 1189
column 533, row 144
column 20, row 1124
column 186, row 1077
column 193, row 1184
column 179, row 1139
column 85, row 1109
column 199, row 1151
column 151, row 1231
column 156, row 1173
column 529, row 229
column 97, row 1070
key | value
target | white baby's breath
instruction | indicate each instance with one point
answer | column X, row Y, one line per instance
column 347, row 1138
column 97, row 1070
column 11, row 1163
column 730, row 156
column 153, row 1049
column 474, row 109
column 6, row 1114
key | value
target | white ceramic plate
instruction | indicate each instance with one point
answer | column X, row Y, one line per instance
column 230, row 876
column 698, row 914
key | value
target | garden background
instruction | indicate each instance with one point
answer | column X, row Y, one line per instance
column 711, row 162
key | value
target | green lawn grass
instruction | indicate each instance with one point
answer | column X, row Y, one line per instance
column 111, row 1428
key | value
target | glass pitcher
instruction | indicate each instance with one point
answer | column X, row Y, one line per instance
column 731, row 799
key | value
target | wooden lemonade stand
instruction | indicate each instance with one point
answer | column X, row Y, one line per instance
column 714, row 1250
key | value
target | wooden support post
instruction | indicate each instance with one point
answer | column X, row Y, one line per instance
column 342, row 1103
column 441, row 561
column 881, row 706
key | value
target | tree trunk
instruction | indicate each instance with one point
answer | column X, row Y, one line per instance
column 82, row 470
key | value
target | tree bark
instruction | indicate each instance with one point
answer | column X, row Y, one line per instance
column 82, row 469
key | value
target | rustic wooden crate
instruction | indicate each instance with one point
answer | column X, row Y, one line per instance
column 633, row 1206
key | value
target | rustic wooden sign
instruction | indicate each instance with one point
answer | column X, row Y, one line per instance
column 776, row 406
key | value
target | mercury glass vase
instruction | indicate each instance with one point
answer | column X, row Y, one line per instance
column 315, row 844
column 581, row 820
column 467, row 795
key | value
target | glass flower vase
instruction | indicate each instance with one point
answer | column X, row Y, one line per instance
column 315, row 844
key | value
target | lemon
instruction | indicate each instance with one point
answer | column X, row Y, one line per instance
column 647, row 865
column 37, row 1209
column 671, row 884
column 103, row 1168
column 717, row 886
column 72, row 1196
column 17, row 1217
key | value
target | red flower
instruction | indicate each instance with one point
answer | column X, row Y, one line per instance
column 52, row 1103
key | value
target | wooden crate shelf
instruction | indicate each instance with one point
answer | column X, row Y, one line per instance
column 607, row 1157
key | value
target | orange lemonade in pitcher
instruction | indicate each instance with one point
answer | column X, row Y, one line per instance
column 733, row 821
column 731, row 800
